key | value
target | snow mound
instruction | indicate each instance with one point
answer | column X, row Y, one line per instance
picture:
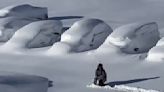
column 36, row 34
column 86, row 34
column 135, row 38
column 122, row 88
column 11, row 82
column 9, row 25
column 156, row 54
column 24, row 10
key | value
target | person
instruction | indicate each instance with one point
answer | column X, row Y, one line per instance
column 100, row 75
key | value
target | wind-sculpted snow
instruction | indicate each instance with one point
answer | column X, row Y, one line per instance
column 156, row 54
column 86, row 34
column 15, row 82
column 9, row 25
column 36, row 34
column 134, row 38
column 24, row 10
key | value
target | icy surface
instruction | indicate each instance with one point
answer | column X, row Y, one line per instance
column 135, row 38
column 24, row 10
column 9, row 25
column 86, row 34
column 36, row 34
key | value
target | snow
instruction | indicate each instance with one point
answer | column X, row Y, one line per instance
column 9, row 25
column 24, row 10
column 122, row 88
column 156, row 53
column 72, row 72
column 84, row 35
column 36, row 34
column 16, row 82
column 135, row 37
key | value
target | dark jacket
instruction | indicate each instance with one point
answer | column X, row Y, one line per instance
column 100, row 73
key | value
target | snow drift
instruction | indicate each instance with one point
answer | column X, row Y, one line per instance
column 9, row 25
column 14, row 82
column 156, row 54
column 36, row 34
column 24, row 10
column 134, row 38
column 86, row 34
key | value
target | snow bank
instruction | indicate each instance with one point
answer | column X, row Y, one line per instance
column 24, row 10
column 86, row 34
column 122, row 88
column 36, row 34
column 156, row 54
column 9, row 25
column 134, row 38
column 10, row 82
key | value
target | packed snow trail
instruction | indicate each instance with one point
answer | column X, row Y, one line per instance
column 122, row 88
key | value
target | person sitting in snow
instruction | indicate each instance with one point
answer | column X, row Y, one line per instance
column 100, row 75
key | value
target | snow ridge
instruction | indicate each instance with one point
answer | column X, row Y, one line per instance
column 122, row 88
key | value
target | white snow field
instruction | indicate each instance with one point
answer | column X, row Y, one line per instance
column 86, row 34
column 34, row 35
column 156, row 54
column 24, row 10
column 135, row 37
column 9, row 25
column 73, row 72
column 16, row 82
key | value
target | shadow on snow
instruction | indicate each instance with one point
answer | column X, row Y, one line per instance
column 65, row 17
column 112, row 84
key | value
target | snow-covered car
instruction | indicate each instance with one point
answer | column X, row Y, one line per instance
column 135, row 38
column 9, row 25
column 86, row 34
column 36, row 34
column 24, row 10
